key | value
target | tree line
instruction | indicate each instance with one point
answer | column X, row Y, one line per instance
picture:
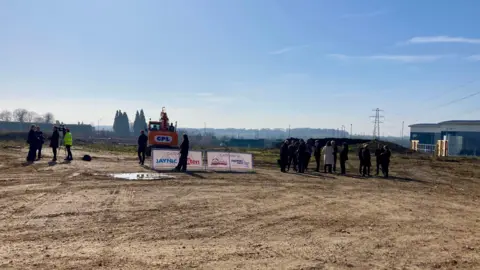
column 25, row 116
column 123, row 127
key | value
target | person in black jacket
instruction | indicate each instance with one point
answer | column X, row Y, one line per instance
column 385, row 159
column 32, row 141
column 343, row 158
column 40, row 141
column 292, row 155
column 317, row 153
column 378, row 161
column 284, row 156
column 360, row 158
column 142, row 147
column 335, row 152
column 367, row 161
column 182, row 162
column 54, row 141
column 302, row 148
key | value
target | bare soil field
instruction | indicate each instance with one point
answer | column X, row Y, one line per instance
column 75, row 216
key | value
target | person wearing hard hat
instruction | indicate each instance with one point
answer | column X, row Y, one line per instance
column 68, row 141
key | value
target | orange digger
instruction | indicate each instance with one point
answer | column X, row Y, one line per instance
column 161, row 134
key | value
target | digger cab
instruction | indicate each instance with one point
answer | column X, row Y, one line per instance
column 159, row 137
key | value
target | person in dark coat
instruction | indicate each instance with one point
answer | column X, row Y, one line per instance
column 142, row 147
column 317, row 153
column 385, row 159
column 40, row 141
column 284, row 156
column 302, row 148
column 292, row 156
column 343, row 158
column 54, row 141
column 360, row 159
column 182, row 162
column 335, row 152
column 32, row 141
column 378, row 161
column 367, row 161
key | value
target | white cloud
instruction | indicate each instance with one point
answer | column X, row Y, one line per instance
column 287, row 49
column 475, row 57
column 442, row 39
column 364, row 15
column 394, row 58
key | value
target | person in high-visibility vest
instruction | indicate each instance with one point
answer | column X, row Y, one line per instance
column 68, row 141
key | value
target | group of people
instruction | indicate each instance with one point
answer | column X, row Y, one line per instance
column 298, row 153
column 382, row 160
column 36, row 139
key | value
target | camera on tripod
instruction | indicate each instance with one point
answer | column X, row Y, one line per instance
column 62, row 128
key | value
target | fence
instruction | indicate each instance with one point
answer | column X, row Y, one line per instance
column 203, row 160
column 439, row 149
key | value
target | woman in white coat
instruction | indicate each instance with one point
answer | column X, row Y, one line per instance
column 328, row 157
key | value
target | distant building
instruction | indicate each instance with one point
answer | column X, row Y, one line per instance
column 463, row 135
column 250, row 143
column 77, row 130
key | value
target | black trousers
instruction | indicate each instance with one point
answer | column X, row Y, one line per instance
column 342, row 166
column 54, row 151
column 307, row 160
column 141, row 154
column 334, row 162
column 366, row 170
column 32, row 152
column 182, row 163
column 327, row 167
column 289, row 162
column 360, row 168
column 385, row 166
column 317, row 161
column 292, row 159
column 283, row 163
column 378, row 167
column 301, row 164
column 69, row 152
column 39, row 151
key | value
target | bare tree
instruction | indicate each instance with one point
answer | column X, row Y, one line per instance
column 6, row 116
column 48, row 118
column 20, row 115
column 30, row 116
column 38, row 119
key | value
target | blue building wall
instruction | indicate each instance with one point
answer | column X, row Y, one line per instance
column 463, row 143
column 425, row 137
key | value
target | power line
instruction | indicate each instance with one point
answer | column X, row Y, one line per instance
column 448, row 90
column 458, row 100
column 376, row 123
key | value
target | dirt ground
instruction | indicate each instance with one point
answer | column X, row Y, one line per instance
column 74, row 216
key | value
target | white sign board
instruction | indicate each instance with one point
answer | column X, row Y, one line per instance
column 218, row 160
column 168, row 159
column 241, row 161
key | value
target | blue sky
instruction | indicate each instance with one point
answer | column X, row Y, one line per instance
column 243, row 63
